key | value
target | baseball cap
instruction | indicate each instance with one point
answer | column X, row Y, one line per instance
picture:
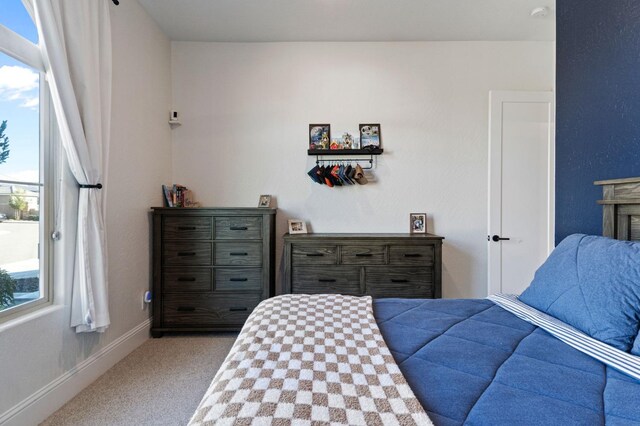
column 359, row 176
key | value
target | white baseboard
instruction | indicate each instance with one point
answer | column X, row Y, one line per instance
column 44, row 402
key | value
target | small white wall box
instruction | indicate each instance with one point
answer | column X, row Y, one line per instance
column 174, row 116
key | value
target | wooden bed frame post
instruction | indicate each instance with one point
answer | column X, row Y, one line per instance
column 621, row 208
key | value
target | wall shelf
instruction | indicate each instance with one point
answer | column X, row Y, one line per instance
column 376, row 151
column 346, row 153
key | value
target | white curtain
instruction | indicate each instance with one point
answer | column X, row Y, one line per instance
column 75, row 37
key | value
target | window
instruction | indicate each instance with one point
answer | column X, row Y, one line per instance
column 16, row 18
column 25, row 146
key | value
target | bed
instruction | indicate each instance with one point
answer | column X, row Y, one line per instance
column 569, row 355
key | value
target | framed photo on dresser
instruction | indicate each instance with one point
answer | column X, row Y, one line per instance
column 265, row 201
column 297, row 226
column 418, row 223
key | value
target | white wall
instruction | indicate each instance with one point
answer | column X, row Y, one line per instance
column 246, row 108
column 39, row 354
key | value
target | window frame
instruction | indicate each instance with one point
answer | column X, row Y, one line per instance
column 29, row 54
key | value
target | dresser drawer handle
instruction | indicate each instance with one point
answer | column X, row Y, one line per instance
column 399, row 281
column 315, row 254
column 186, row 253
column 238, row 309
column 239, row 279
column 239, row 254
column 413, row 255
column 187, row 228
column 238, row 228
column 327, row 280
column 364, row 254
column 190, row 279
column 186, row 309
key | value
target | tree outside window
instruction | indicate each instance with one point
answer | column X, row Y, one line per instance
column 18, row 204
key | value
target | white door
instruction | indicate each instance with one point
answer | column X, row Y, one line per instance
column 521, row 187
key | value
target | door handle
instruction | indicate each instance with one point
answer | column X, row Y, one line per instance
column 497, row 238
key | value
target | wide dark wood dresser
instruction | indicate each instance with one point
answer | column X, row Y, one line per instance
column 379, row 265
column 211, row 267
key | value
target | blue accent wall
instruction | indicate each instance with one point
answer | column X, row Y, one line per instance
column 598, row 106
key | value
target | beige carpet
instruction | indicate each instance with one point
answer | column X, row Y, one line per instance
column 160, row 383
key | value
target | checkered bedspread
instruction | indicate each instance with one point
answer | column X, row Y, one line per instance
column 303, row 360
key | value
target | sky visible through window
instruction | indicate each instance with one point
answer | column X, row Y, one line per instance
column 19, row 98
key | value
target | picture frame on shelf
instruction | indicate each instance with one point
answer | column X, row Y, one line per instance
column 346, row 141
column 264, row 202
column 319, row 136
column 417, row 223
column 370, row 136
column 356, row 142
column 297, row 226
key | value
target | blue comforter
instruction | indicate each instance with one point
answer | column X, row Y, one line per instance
column 472, row 362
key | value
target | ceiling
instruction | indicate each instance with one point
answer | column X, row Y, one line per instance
column 351, row 20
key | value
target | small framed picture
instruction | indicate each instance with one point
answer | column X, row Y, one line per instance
column 418, row 223
column 319, row 136
column 265, row 201
column 297, row 226
column 370, row 136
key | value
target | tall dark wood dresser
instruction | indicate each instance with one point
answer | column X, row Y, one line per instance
column 211, row 267
column 378, row 265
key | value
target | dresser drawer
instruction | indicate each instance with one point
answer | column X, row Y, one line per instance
column 207, row 309
column 238, row 228
column 186, row 228
column 187, row 280
column 238, row 254
column 190, row 253
column 411, row 255
column 407, row 282
column 322, row 280
column 238, row 279
column 314, row 255
column 364, row 255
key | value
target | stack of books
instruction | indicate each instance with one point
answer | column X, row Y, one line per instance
column 177, row 196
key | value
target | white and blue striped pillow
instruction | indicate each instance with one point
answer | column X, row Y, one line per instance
column 622, row 361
